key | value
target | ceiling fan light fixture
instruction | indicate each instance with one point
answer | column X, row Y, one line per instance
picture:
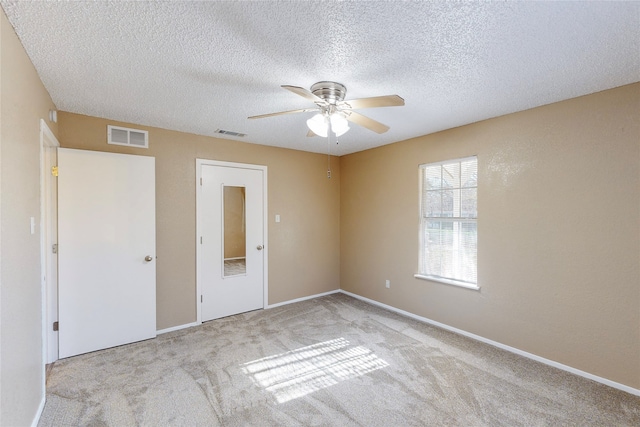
column 318, row 125
column 339, row 124
column 334, row 112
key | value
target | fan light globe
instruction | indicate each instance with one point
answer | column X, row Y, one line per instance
column 318, row 125
column 339, row 124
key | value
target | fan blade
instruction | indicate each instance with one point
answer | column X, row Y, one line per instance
column 310, row 134
column 303, row 110
column 305, row 94
column 366, row 122
column 376, row 101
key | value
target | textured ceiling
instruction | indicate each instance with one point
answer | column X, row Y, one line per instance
column 201, row 66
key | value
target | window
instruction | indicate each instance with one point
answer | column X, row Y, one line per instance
column 448, row 222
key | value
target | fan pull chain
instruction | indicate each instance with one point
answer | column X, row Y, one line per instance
column 329, row 152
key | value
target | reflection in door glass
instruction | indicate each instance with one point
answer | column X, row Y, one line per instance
column 234, row 231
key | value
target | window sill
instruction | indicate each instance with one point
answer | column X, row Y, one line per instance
column 447, row 281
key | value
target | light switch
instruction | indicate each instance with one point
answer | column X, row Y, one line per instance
column 277, row 218
column 33, row 225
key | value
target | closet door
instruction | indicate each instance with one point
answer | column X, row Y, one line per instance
column 107, row 260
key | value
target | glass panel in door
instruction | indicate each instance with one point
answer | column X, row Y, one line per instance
column 234, row 220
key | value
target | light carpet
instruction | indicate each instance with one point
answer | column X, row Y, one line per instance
column 331, row 361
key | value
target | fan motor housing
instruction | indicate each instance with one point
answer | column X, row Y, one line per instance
column 331, row 92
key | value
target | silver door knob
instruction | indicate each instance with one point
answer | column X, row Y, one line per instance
column 148, row 258
column 259, row 247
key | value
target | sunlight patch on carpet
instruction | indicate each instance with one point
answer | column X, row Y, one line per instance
column 299, row 372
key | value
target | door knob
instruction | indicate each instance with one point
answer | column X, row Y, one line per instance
column 148, row 258
column 259, row 247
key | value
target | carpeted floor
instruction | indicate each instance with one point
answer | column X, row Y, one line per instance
column 331, row 361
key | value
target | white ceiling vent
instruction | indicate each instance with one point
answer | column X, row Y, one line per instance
column 130, row 137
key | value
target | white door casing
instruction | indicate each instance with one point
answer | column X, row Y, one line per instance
column 49, row 238
column 106, row 228
column 220, row 296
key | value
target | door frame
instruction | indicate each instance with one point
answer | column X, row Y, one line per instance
column 48, row 206
column 265, row 272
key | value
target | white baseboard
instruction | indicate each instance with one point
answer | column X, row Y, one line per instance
column 177, row 328
column 519, row 352
column 190, row 325
column 302, row 299
column 36, row 419
column 510, row 349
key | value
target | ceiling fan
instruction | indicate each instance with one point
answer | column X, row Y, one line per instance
column 334, row 112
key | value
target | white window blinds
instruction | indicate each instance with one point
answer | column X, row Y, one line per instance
column 448, row 220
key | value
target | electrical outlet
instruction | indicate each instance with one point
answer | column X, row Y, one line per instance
column 388, row 283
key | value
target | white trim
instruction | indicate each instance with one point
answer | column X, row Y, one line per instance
column 197, row 241
column 190, row 325
column 447, row 281
column 265, row 245
column 49, row 287
column 36, row 418
column 209, row 162
column 510, row 349
column 444, row 162
column 49, row 134
column 47, row 140
column 177, row 328
column 265, row 232
column 292, row 301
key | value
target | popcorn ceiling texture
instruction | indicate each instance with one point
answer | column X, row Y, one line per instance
column 200, row 66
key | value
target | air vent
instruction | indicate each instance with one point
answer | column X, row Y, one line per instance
column 130, row 137
column 230, row 133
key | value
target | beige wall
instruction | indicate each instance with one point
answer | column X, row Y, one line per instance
column 558, row 227
column 304, row 248
column 23, row 102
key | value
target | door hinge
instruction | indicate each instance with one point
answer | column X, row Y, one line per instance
column 55, row 326
column 200, row 298
column 54, row 170
column 54, row 248
column 200, row 239
column 200, row 181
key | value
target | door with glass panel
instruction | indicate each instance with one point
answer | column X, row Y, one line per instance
column 231, row 221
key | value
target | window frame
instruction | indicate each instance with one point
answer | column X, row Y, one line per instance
column 460, row 220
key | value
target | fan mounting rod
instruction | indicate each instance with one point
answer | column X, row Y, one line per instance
column 331, row 92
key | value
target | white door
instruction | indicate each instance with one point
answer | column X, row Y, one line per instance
column 106, row 251
column 232, row 253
